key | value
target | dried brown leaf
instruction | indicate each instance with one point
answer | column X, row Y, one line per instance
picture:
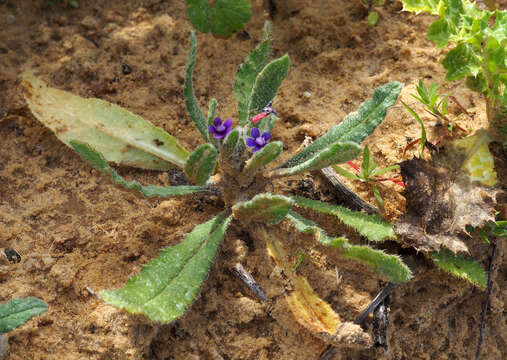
column 441, row 201
column 311, row 311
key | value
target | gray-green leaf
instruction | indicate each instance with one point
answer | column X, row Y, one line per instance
column 97, row 160
column 193, row 107
column 390, row 266
column 307, row 226
column 123, row 137
column 336, row 153
column 356, row 126
column 265, row 208
column 267, row 83
column 212, row 109
column 468, row 269
column 263, row 157
column 201, row 163
column 373, row 227
column 248, row 71
column 18, row 311
column 167, row 285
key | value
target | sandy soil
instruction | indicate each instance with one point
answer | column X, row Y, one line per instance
column 75, row 229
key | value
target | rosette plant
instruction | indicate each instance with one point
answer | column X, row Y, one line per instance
column 234, row 163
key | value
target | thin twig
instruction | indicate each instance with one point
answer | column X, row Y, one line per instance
column 354, row 201
column 93, row 293
column 486, row 303
column 331, row 350
column 249, row 281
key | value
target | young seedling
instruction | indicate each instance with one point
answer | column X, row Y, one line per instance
column 373, row 16
column 230, row 164
column 369, row 174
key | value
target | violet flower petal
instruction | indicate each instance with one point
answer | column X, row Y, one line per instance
column 266, row 136
column 217, row 121
column 255, row 132
column 250, row 142
column 228, row 123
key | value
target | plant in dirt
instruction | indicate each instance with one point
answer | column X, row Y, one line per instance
column 232, row 164
column 16, row 313
column 479, row 55
column 221, row 17
column 369, row 174
column 373, row 15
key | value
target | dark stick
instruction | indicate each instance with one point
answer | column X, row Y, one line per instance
column 343, row 192
column 380, row 323
column 331, row 350
column 248, row 279
column 375, row 302
column 486, row 303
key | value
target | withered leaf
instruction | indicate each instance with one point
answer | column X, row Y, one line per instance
column 310, row 310
column 441, row 201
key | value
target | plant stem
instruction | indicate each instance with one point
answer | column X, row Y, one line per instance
column 250, row 282
column 486, row 303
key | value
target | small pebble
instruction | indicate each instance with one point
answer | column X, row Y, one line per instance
column 307, row 94
column 126, row 69
column 12, row 255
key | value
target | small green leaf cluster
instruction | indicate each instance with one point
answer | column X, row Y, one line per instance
column 234, row 163
column 221, row 17
column 373, row 16
column 18, row 311
column 369, row 173
column 435, row 103
column 479, row 55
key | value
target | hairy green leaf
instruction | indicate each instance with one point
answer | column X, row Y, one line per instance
column 307, row 226
column 193, row 107
column 201, row 163
column 248, row 71
column 230, row 143
column 212, row 109
column 123, row 137
column 267, row 83
column 167, row 285
column 266, row 124
column 356, row 126
column 221, row 17
column 372, row 227
column 336, row 153
column 18, row 311
column 468, row 269
column 265, row 208
column 390, row 266
column 263, row 157
column 97, row 160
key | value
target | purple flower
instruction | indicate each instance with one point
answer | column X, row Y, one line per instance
column 257, row 141
column 219, row 129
